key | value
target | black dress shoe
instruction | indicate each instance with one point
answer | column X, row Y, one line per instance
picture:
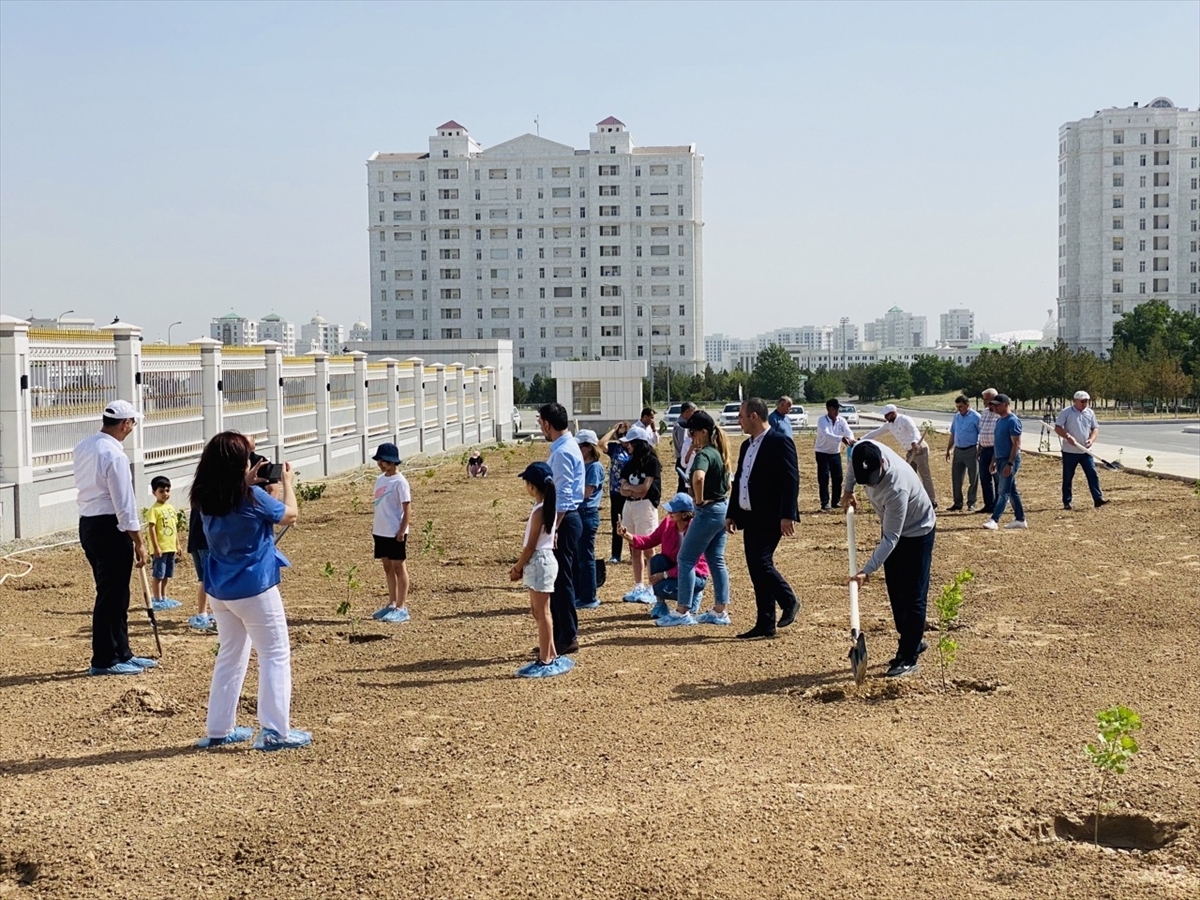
column 1067, row 506
column 789, row 616
column 757, row 632
column 1100, row 503
column 986, row 511
column 956, row 508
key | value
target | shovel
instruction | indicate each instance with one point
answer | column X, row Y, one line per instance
column 150, row 609
column 1114, row 466
column 858, row 641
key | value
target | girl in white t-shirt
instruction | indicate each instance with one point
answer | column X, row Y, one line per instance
column 390, row 530
column 538, row 568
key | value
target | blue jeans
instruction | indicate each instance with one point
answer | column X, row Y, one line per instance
column 1070, row 461
column 1006, row 492
column 668, row 588
column 705, row 537
column 585, row 582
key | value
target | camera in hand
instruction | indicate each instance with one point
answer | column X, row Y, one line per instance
column 272, row 472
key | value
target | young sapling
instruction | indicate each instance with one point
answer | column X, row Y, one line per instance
column 1113, row 749
column 948, row 606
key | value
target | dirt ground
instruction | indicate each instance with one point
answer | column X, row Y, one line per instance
column 670, row 763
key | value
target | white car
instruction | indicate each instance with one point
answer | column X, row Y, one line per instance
column 849, row 413
column 798, row 418
column 671, row 416
column 729, row 415
column 516, row 420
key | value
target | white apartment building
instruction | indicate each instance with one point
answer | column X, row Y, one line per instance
column 844, row 336
column 360, row 331
column 274, row 327
column 571, row 254
column 319, row 334
column 1128, row 223
column 957, row 327
column 233, row 330
column 897, row 330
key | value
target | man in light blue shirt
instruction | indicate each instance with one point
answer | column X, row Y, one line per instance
column 1076, row 426
column 566, row 464
column 964, row 441
column 779, row 418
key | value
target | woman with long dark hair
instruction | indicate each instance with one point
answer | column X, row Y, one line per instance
column 241, row 578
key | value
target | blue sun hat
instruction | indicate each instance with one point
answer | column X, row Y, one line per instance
column 537, row 473
column 680, row 503
column 387, row 452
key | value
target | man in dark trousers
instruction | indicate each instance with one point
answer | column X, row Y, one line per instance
column 111, row 534
column 566, row 463
column 763, row 507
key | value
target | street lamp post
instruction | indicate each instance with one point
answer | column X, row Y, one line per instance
column 169, row 327
column 58, row 320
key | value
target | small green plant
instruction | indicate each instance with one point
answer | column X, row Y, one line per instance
column 306, row 492
column 351, row 584
column 928, row 430
column 1113, row 749
column 496, row 517
column 427, row 536
column 181, row 521
column 949, row 605
column 1149, row 462
column 216, row 648
column 356, row 504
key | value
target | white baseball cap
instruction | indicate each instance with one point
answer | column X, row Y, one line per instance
column 890, row 408
column 121, row 409
column 638, row 433
column 1082, row 395
column 587, row 436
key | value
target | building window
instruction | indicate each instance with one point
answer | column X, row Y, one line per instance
column 1118, row 265
column 1116, row 286
column 585, row 398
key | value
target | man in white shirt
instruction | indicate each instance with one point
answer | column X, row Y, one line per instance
column 647, row 420
column 111, row 534
column 1077, row 428
column 908, row 436
column 832, row 434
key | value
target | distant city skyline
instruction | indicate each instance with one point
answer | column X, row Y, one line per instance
column 169, row 162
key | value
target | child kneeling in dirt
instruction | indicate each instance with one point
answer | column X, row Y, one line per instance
column 664, row 566
column 390, row 531
column 538, row 568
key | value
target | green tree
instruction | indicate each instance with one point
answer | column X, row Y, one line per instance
column 887, row 379
column 823, row 384
column 775, row 374
column 520, row 392
column 927, row 374
column 542, row 390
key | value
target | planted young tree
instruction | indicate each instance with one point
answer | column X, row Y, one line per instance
column 351, row 584
column 949, row 604
column 1113, row 749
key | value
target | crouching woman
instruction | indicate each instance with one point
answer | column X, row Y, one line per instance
column 241, row 578
column 664, row 565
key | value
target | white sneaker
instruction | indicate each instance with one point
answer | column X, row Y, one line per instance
column 1021, row 524
column 990, row 524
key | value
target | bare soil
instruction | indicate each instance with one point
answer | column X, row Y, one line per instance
column 670, row 763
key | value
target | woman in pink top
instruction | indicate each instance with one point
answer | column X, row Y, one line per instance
column 664, row 571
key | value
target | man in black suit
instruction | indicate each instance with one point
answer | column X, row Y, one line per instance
column 763, row 507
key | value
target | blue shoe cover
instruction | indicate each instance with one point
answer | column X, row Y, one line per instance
column 595, row 604
column 202, row 623
column 659, row 609
column 671, row 619
column 712, row 618
column 395, row 615
column 239, row 734
column 632, row 596
column 164, row 604
column 119, row 669
column 268, row 739
column 142, row 662
column 539, row 669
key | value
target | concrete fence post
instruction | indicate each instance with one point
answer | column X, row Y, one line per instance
column 127, row 344
column 393, row 399
column 461, row 399
column 362, row 424
column 210, row 386
column 273, row 360
column 442, row 394
column 321, row 390
column 16, row 428
column 418, row 365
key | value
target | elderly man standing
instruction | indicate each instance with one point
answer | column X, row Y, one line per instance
column 987, row 449
column 763, row 505
column 1076, row 426
column 905, row 551
column 566, row 464
column 111, row 534
column 908, row 436
column 779, row 418
column 681, row 441
column 964, row 444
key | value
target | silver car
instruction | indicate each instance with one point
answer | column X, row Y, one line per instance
column 849, row 413
column 729, row 415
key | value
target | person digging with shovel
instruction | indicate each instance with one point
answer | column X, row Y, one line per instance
column 905, row 550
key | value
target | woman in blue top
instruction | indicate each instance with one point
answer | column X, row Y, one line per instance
column 589, row 515
column 617, row 450
column 241, row 578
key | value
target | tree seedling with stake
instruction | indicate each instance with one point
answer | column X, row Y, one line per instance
column 1113, row 749
column 948, row 606
column 344, row 607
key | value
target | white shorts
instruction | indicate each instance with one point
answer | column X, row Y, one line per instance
column 541, row 571
column 640, row 516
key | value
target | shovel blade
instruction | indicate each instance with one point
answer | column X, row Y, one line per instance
column 858, row 659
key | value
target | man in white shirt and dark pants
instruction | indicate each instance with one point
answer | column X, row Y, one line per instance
column 908, row 436
column 111, row 535
column 832, row 434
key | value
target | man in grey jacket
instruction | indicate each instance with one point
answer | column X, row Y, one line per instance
column 905, row 550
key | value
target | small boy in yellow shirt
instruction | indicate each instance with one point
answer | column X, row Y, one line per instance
column 161, row 520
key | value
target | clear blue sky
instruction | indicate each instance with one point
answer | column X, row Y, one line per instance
column 165, row 161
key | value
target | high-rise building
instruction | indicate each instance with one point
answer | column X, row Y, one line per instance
column 233, row 330
column 571, row 254
column 957, row 327
column 274, row 327
column 897, row 330
column 319, row 334
column 1128, row 223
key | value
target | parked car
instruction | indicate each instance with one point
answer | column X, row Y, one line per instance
column 729, row 415
column 849, row 413
column 797, row 417
column 671, row 416
column 516, row 420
